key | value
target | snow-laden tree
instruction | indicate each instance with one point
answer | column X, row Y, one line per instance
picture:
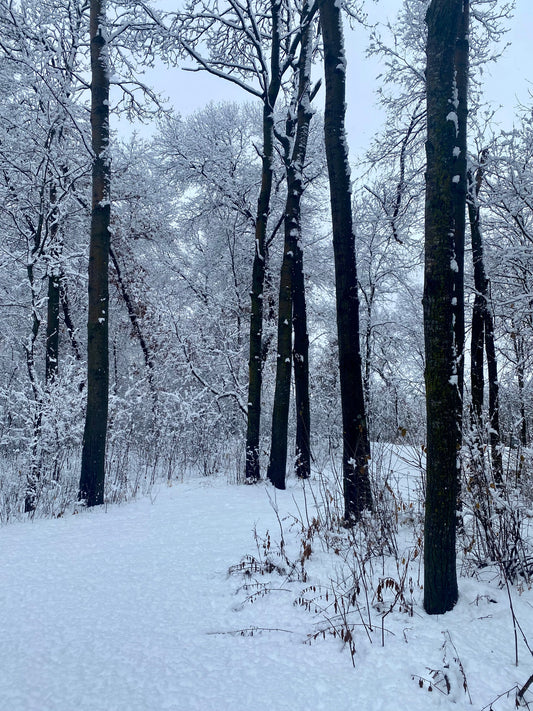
column 506, row 201
column 389, row 273
column 252, row 45
column 292, row 306
column 43, row 172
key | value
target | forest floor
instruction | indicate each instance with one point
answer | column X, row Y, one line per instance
column 132, row 608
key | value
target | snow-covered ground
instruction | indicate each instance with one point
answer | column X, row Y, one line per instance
column 131, row 608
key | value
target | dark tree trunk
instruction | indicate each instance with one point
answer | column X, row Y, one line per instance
column 52, row 316
column 299, row 306
column 494, row 398
column 52, row 329
column 255, row 362
column 356, row 447
column 518, row 345
column 34, row 473
column 95, row 432
column 301, row 368
column 445, row 174
column 292, row 307
column 483, row 334
column 280, row 414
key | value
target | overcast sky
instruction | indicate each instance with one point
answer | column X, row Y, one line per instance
column 506, row 83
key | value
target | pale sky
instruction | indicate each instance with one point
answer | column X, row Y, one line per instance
column 506, row 82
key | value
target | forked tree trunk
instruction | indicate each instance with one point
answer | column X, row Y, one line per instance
column 94, row 437
column 292, row 309
column 445, row 176
column 255, row 362
column 356, row 447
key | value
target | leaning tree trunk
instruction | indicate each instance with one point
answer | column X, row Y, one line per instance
column 255, row 362
column 445, row 178
column 356, row 447
column 95, row 432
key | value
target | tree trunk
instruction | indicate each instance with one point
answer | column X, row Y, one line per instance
column 132, row 315
column 301, row 367
column 445, row 173
column 519, row 349
column 52, row 329
column 459, row 182
column 280, row 414
column 52, row 316
column 292, row 307
column 494, row 398
column 255, row 362
column 483, row 334
column 95, row 432
column 356, row 447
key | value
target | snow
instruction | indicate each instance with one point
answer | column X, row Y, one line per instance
column 452, row 116
column 131, row 608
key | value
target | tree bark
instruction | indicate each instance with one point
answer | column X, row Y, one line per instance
column 356, row 447
column 255, row 362
column 445, row 173
column 301, row 367
column 459, row 181
column 280, row 414
column 483, row 334
column 92, row 478
column 292, row 307
column 52, row 316
column 52, row 329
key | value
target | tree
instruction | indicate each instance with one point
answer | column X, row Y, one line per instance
column 356, row 446
column 217, row 181
column 482, row 337
column 252, row 46
column 94, row 437
column 447, row 43
column 40, row 171
column 508, row 177
column 292, row 313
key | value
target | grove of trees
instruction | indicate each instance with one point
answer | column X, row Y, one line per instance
column 227, row 295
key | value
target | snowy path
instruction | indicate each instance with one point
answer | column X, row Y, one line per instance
column 131, row 610
column 117, row 610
